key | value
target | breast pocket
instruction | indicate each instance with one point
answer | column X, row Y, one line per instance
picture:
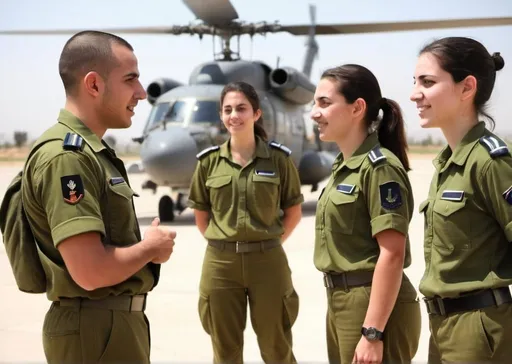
column 340, row 212
column 265, row 196
column 221, row 192
column 452, row 225
column 120, row 213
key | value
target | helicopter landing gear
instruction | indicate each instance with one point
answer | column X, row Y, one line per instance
column 166, row 209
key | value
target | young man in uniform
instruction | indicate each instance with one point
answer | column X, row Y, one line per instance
column 79, row 204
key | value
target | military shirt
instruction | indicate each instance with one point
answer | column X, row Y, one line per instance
column 468, row 217
column 68, row 192
column 368, row 193
column 245, row 202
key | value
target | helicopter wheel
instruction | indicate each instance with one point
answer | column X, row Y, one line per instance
column 166, row 209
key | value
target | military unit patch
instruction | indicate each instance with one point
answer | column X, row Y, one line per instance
column 72, row 189
column 452, row 195
column 345, row 188
column 390, row 196
column 507, row 195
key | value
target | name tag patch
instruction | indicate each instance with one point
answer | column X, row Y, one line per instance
column 345, row 188
column 507, row 195
column 116, row 180
column 452, row 195
column 390, row 196
column 266, row 173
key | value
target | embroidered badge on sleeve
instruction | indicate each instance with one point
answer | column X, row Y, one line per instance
column 390, row 197
column 72, row 189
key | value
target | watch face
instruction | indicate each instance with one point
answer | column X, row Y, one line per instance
column 371, row 333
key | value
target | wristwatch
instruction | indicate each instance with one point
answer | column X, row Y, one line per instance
column 372, row 334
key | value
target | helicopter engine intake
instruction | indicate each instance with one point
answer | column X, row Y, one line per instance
column 292, row 85
column 160, row 86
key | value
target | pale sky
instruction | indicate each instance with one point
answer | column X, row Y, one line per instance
column 31, row 92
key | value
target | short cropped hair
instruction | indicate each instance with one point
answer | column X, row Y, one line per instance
column 85, row 52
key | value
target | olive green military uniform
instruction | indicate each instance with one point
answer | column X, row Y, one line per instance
column 366, row 194
column 468, row 230
column 69, row 188
column 244, row 205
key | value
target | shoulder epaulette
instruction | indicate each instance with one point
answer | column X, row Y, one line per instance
column 495, row 146
column 280, row 147
column 73, row 141
column 375, row 156
column 206, row 151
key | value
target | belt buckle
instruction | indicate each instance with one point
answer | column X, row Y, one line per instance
column 440, row 305
column 328, row 281
column 429, row 303
column 435, row 306
column 136, row 302
column 241, row 247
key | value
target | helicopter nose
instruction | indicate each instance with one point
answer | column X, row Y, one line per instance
column 169, row 156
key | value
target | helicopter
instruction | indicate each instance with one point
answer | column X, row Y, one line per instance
column 184, row 118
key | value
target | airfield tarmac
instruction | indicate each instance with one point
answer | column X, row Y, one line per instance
column 176, row 332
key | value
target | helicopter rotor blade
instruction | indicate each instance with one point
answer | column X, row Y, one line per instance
column 395, row 26
column 138, row 30
column 213, row 12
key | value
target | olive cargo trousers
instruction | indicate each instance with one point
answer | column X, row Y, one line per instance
column 229, row 281
column 478, row 336
column 88, row 335
column 345, row 317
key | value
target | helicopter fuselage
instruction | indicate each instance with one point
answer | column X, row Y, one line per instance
column 185, row 119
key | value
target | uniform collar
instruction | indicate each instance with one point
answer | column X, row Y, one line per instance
column 462, row 150
column 371, row 141
column 77, row 126
column 262, row 149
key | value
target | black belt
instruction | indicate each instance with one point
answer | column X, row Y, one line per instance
column 121, row 303
column 489, row 297
column 245, row 246
column 348, row 280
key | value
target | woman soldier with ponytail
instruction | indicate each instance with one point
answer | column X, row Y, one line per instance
column 362, row 221
column 468, row 211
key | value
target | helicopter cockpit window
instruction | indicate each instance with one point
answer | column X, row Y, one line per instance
column 186, row 111
column 157, row 114
column 205, row 111
column 178, row 112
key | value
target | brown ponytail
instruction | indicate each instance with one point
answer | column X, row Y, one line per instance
column 259, row 130
column 391, row 131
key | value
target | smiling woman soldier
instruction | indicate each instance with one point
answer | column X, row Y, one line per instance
column 237, row 192
column 468, row 212
column 362, row 222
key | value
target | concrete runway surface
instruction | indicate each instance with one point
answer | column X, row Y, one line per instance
column 177, row 334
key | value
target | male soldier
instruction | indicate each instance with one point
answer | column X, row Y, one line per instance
column 79, row 204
